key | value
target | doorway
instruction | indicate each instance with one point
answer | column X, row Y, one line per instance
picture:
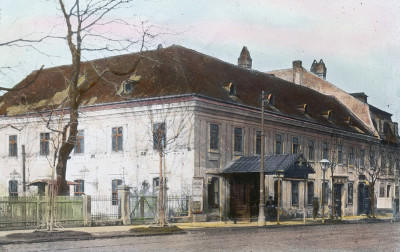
column 337, row 190
column 244, row 196
column 363, row 199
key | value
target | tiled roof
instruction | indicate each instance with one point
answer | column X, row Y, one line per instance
column 288, row 163
column 177, row 70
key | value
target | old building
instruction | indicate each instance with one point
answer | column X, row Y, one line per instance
column 208, row 113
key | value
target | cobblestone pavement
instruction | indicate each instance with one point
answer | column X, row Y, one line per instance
column 348, row 237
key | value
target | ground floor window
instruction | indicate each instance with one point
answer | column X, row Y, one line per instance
column 13, row 188
column 79, row 189
column 213, row 192
column 295, row 193
column 325, row 190
column 350, row 194
column 114, row 188
column 310, row 193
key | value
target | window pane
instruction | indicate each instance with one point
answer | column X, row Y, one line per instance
column 310, row 195
column 295, row 193
column 214, row 136
column 238, row 140
column 350, row 194
column 258, row 142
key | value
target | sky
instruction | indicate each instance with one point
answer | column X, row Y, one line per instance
column 359, row 41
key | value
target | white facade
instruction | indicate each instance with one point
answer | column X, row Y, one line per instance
column 98, row 165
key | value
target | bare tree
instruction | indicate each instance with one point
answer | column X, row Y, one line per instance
column 378, row 161
column 170, row 130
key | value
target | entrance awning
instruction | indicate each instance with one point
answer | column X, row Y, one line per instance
column 292, row 165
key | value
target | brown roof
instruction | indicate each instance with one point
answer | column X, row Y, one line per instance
column 177, row 70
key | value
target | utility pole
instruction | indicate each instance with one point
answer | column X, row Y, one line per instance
column 261, row 214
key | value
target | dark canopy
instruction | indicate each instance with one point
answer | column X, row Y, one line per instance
column 292, row 165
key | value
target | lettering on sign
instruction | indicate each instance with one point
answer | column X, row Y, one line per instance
column 197, row 195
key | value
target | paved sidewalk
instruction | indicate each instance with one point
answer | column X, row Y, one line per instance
column 82, row 233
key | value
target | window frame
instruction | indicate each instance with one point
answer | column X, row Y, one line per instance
column 340, row 154
column 114, row 191
column 362, row 158
column 213, row 137
column 79, row 190
column 295, row 145
column 238, row 140
column 350, row 193
column 13, row 188
column 295, row 193
column 117, row 135
column 310, row 193
column 79, row 145
column 280, row 141
column 13, row 146
column 311, row 150
column 44, row 144
column 325, row 150
column 159, row 135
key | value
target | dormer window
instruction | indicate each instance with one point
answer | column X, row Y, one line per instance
column 303, row 108
column 329, row 115
column 130, row 83
column 128, row 87
column 271, row 99
column 232, row 90
column 349, row 121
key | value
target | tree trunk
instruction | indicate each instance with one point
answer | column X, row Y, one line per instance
column 372, row 198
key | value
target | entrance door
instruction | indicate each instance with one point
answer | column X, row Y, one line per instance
column 338, row 199
column 240, row 200
column 363, row 199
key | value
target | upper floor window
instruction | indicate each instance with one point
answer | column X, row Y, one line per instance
column 114, row 191
column 117, row 139
column 79, row 189
column 325, row 150
column 372, row 158
column 12, row 149
column 351, row 155
column 339, row 154
column 258, row 142
column 310, row 150
column 214, row 137
column 13, row 188
column 295, row 145
column 362, row 158
column 295, row 192
column 44, row 144
column 278, row 144
column 238, row 140
column 79, row 142
column 159, row 137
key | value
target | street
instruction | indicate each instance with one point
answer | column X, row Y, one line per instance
column 346, row 237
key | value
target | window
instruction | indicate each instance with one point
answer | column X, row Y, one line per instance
column 340, row 154
column 350, row 194
column 117, row 139
column 372, row 158
column 396, row 192
column 388, row 191
column 310, row 150
column 13, row 188
column 258, row 142
column 114, row 191
column 362, row 158
column 325, row 188
column 278, row 144
column 159, row 139
column 214, row 137
column 295, row 192
column 79, row 189
column 295, row 145
column 351, row 156
column 238, row 140
column 382, row 191
column 213, row 192
column 156, row 184
column 79, row 143
column 12, row 150
column 44, row 144
column 325, row 150
column 310, row 193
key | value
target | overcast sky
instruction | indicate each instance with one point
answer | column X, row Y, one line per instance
column 358, row 40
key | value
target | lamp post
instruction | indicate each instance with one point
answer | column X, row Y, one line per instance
column 261, row 212
column 279, row 173
column 324, row 166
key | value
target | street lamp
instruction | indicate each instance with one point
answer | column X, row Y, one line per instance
column 279, row 173
column 261, row 214
column 324, row 166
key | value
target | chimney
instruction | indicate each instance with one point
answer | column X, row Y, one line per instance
column 244, row 59
column 319, row 68
column 297, row 72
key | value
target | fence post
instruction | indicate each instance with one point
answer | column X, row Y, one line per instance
column 87, row 210
column 125, row 206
